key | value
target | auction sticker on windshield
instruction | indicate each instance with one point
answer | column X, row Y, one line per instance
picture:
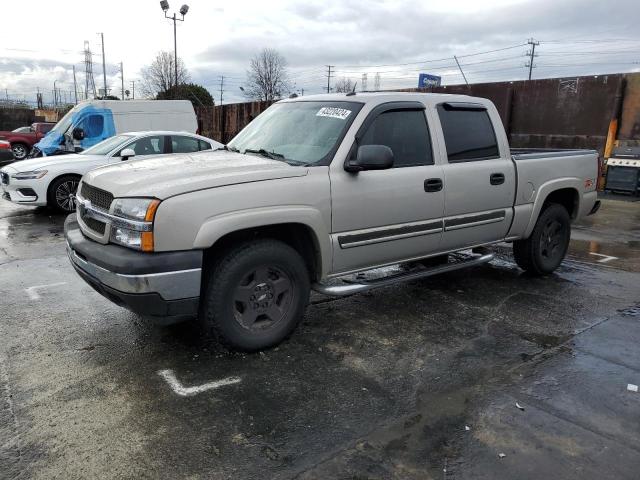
column 334, row 112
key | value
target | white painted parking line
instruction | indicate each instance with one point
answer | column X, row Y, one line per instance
column 605, row 258
column 33, row 291
column 177, row 387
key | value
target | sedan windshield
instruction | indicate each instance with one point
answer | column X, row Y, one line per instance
column 299, row 133
column 106, row 146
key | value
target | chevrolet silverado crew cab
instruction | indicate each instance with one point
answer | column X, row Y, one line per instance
column 316, row 189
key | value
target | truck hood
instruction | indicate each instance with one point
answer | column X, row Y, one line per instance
column 42, row 163
column 166, row 176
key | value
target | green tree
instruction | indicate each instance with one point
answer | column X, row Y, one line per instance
column 197, row 94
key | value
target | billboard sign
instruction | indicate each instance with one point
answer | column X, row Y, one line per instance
column 425, row 80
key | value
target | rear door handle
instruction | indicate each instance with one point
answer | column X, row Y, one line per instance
column 497, row 178
column 433, row 185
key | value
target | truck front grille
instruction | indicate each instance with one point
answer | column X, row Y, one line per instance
column 95, row 225
column 98, row 198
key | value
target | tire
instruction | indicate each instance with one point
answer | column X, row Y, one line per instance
column 58, row 196
column 255, row 295
column 546, row 247
column 20, row 151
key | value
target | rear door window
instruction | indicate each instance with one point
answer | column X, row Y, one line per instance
column 181, row 144
column 204, row 145
column 405, row 132
column 468, row 134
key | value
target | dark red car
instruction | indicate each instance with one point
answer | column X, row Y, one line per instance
column 21, row 141
column 6, row 155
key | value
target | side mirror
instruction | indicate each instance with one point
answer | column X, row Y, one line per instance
column 127, row 153
column 77, row 133
column 370, row 157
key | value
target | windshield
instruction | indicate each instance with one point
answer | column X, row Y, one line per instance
column 300, row 133
column 63, row 124
column 107, row 145
column 22, row 130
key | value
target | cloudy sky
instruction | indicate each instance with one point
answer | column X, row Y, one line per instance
column 393, row 39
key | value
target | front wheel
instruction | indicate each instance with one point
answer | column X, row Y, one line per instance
column 255, row 295
column 544, row 250
column 20, row 151
column 61, row 193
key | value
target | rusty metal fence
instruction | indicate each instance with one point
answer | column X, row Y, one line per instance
column 572, row 112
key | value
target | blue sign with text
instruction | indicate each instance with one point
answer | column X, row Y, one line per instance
column 426, row 80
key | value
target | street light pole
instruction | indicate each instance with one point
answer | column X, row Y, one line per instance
column 164, row 4
column 175, row 50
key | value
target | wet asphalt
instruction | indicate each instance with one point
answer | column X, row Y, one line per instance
column 414, row 381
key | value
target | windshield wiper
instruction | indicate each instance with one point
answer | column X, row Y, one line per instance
column 265, row 153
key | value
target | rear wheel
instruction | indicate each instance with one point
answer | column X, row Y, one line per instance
column 61, row 192
column 255, row 295
column 20, row 151
column 547, row 246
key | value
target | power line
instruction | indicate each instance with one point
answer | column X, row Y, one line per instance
column 435, row 60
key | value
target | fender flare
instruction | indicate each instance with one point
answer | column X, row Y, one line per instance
column 544, row 191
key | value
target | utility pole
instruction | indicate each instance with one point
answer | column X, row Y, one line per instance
column 133, row 89
column 75, row 84
column 329, row 78
column 532, row 54
column 221, row 86
column 122, row 79
column 104, row 68
column 55, row 94
column 460, row 68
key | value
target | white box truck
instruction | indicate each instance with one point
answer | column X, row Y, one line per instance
column 92, row 121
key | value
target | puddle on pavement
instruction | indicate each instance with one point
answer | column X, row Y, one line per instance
column 620, row 255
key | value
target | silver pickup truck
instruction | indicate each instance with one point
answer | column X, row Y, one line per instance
column 315, row 189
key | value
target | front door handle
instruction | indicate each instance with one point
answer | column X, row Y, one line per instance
column 433, row 185
column 497, row 178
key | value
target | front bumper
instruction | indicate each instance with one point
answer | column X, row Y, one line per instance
column 24, row 192
column 163, row 286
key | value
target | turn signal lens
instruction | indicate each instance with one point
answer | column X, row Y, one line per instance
column 146, row 242
column 151, row 210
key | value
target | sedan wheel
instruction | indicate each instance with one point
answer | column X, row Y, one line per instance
column 61, row 195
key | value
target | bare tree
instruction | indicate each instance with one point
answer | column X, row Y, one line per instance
column 267, row 77
column 159, row 77
column 344, row 85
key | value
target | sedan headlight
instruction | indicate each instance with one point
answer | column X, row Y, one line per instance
column 32, row 175
column 136, row 229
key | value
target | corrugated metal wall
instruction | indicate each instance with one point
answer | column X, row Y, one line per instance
column 558, row 112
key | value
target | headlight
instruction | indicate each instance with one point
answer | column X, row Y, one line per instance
column 138, row 232
column 141, row 209
column 33, row 175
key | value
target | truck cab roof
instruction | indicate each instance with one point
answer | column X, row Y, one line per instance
column 384, row 97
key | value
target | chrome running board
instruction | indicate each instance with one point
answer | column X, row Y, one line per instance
column 341, row 290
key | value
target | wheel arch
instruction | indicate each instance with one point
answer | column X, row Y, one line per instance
column 297, row 235
column 58, row 177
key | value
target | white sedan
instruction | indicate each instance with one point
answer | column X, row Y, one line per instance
column 53, row 180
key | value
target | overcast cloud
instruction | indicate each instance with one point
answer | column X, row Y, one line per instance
column 218, row 38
